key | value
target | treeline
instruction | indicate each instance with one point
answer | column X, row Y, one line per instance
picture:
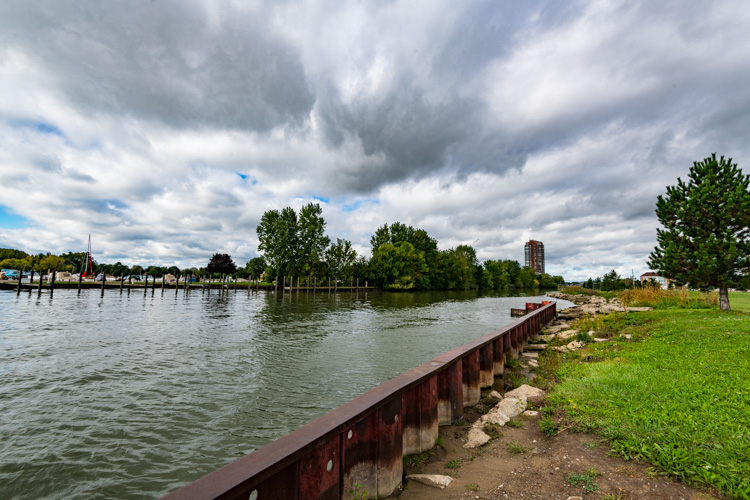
column 403, row 257
column 294, row 245
column 610, row 282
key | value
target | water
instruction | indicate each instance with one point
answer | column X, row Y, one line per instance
column 132, row 395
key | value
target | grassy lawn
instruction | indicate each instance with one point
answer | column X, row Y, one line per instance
column 677, row 394
column 739, row 301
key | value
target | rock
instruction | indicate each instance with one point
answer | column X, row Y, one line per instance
column 530, row 413
column 532, row 355
column 575, row 498
column 626, row 336
column 477, row 437
column 494, row 396
column 437, row 480
column 536, row 347
column 567, row 334
column 639, row 309
column 532, row 394
column 600, row 340
column 576, row 344
column 561, row 348
column 532, row 363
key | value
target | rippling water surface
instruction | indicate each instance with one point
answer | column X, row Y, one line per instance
column 131, row 395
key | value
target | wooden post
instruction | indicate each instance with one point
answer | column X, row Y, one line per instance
column 31, row 280
column 145, row 286
column 52, row 284
column 39, row 289
column 104, row 278
column 80, row 279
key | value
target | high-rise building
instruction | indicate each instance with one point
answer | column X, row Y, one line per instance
column 534, row 255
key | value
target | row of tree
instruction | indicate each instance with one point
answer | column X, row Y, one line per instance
column 403, row 257
column 294, row 244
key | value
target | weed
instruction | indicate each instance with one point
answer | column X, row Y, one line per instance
column 512, row 363
column 453, row 464
column 591, row 444
column 518, row 379
column 493, row 431
column 358, row 492
column 416, row 459
column 615, row 496
column 584, row 337
column 586, row 480
column 652, row 473
column 472, row 487
column 516, row 424
column 439, row 441
column 548, row 426
column 516, row 448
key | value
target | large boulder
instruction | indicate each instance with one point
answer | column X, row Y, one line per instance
column 531, row 394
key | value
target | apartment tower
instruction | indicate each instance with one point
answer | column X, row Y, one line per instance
column 534, row 255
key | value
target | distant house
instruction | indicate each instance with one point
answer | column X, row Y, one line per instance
column 663, row 282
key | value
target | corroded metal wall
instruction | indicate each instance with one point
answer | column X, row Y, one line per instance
column 360, row 445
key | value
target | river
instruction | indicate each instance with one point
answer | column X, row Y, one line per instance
column 128, row 395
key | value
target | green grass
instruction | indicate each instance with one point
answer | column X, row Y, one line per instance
column 739, row 301
column 678, row 395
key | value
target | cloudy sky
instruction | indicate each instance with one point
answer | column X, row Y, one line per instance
column 165, row 129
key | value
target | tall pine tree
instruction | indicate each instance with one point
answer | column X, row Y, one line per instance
column 705, row 242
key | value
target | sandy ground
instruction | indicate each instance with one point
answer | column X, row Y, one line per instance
column 540, row 471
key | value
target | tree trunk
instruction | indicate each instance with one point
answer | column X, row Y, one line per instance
column 724, row 299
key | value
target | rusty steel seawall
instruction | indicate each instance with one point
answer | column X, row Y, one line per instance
column 362, row 443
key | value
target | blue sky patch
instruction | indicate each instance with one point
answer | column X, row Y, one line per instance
column 9, row 220
column 320, row 198
column 355, row 206
column 241, row 175
column 48, row 128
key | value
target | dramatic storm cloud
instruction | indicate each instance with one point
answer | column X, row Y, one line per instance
column 165, row 129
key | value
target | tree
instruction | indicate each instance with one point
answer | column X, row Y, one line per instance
column 705, row 241
column 221, row 263
column 340, row 257
column 398, row 266
column 256, row 267
column 293, row 245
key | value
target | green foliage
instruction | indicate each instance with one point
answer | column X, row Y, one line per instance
column 453, row 464
column 514, row 423
column 399, row 266
column 256, row 266
column 10, row 253
column 17, row 264
column 358, row 492
column 675, row 398
column 516, row 448
column 586, row 480
column 472, row 487
column 548, row 426
column 340, row 257
column 705, row 239
column 293, row 244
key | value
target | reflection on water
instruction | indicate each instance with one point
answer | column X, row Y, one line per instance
column 131, row 395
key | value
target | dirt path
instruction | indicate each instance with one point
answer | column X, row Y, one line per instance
column 537, row 468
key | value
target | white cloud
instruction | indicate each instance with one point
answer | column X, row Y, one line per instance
column 484, row 124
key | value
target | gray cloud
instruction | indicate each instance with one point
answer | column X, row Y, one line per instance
column 483, row 123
